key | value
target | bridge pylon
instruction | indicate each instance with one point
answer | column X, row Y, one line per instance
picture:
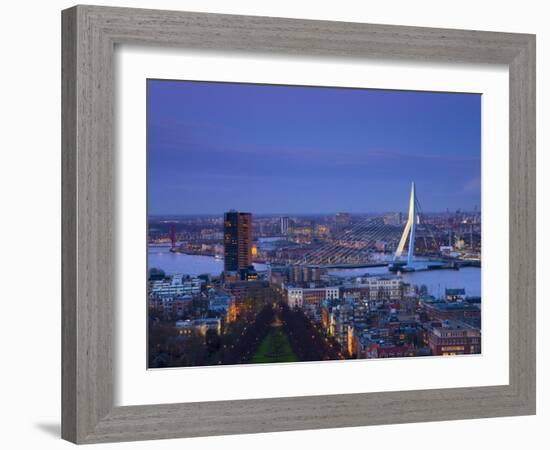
column 410, row 230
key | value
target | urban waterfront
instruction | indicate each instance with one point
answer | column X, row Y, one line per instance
column 436, row 281
column 243, row 289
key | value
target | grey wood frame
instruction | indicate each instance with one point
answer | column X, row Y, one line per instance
column 89, row 36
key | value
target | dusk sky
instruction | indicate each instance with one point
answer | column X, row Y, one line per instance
column 300, row 150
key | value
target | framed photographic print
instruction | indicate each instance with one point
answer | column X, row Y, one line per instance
column 278, row 224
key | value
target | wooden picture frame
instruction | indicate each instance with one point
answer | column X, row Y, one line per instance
column 90, row 34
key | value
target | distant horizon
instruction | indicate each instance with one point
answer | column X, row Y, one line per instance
column 293, row 148
column 285, row 214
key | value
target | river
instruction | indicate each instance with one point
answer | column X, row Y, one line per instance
column 171, row 262
column 436, row 281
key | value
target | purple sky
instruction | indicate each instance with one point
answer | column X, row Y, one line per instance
column 291, row 149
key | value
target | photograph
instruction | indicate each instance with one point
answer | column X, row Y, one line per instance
column 301, row 223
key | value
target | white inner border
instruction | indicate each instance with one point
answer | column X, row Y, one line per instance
column 135, row 385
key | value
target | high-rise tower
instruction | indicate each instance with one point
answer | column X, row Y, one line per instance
column 237, row 240
column 284, row 226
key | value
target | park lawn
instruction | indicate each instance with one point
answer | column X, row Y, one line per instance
column 275, row 348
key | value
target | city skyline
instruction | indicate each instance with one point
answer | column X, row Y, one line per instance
column 305, row 150
column 475, row 209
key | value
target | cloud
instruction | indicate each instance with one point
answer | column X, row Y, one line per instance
column 472, row 186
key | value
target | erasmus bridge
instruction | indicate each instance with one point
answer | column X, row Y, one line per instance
column 368, row 236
